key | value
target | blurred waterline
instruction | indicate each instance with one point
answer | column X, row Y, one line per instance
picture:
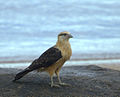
column 69, row 63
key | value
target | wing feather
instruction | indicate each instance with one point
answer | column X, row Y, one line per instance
column 48, row 58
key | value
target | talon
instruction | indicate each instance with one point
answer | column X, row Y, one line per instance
column 64, row 84
column 55, row 85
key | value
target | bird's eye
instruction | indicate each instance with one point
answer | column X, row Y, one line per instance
column 64, row 34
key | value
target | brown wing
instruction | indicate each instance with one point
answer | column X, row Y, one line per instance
column 48, row 58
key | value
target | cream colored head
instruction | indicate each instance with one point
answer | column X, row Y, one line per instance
column 64, row 36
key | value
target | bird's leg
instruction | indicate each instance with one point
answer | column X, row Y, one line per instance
column 52, row 83
column 60, row 82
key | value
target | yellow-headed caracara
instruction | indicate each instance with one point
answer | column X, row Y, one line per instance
column 51, row 60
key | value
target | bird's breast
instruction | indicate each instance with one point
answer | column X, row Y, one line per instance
column 66, row 52
column 65, row 49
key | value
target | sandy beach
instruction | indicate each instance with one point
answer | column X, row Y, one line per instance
column 86, row 81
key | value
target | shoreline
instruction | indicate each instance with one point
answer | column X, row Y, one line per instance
column 75, row 57
column 110, row 63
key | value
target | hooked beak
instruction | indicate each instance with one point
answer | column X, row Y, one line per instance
column 70, row 36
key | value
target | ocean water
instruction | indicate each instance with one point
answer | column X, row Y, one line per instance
column 28, row 28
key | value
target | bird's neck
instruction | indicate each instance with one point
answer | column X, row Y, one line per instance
column 62, row 43
column 65, row 48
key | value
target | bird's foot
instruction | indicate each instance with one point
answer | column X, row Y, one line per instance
column 64, row 84
column 55, row 85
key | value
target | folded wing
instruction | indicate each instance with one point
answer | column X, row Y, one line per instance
column 49, row 57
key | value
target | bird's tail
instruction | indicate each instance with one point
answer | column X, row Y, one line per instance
column 21, row 74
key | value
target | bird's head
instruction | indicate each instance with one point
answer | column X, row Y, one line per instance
column 64, row 36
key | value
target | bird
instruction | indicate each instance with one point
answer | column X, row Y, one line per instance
column 52, row 60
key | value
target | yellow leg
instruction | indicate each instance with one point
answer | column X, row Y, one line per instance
column 52, row 82
column 60, row 82
column 57, row 73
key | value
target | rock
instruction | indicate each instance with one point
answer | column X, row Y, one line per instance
column 86, row 81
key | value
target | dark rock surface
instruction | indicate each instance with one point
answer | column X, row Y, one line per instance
column 86, row 81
